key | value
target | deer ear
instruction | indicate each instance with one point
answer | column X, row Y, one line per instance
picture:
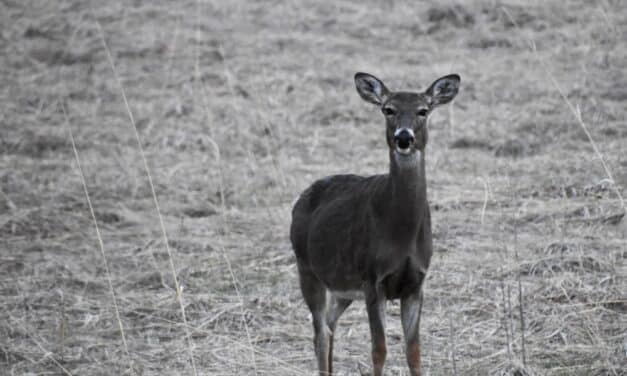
column 444, row 89
column 370, row 88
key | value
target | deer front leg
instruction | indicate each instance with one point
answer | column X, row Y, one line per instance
column 410, row 317
column 375, row 304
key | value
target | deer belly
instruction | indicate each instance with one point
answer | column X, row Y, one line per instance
column 339, row 277
column 349, row 294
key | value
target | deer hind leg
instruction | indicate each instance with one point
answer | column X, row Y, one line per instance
column 375, row 305
column 411, row 307
column 337, row 307
column 315, row 295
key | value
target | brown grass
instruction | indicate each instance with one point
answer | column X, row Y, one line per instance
column 238, row 107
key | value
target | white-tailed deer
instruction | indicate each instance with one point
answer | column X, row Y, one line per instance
column 370, row 237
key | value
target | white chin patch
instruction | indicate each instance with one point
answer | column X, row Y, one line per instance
column 403, row 151
column 408, row 156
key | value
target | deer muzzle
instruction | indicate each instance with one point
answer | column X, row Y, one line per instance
column 404, row 140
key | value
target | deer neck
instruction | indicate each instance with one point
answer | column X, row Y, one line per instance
column 407, row 193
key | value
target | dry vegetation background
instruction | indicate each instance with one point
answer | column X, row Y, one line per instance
column 239, row 106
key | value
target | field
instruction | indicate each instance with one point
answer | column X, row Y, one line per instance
column 238, row 106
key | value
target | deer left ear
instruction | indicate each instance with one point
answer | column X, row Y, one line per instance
column 444, row 89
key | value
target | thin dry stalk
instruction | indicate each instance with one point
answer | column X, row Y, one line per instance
column 216, row 148
column 179, row 291
column 452, row 341
column 579, row 119
column 451, row 116
column 505, row 315
column 518, row 276
column 10, row 205
column 62, row 325
column 520, row 295
column 573, row 109
column 593, row 333
column 510, row 311
column 168, row 71
column 199, row 329
column 100, row 242
column 47, row 354
column 577, row 114
column 486, row 196
column 225, row 225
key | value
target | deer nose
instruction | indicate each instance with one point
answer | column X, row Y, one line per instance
column 404, row 139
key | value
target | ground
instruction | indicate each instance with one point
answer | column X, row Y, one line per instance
column 238, row 107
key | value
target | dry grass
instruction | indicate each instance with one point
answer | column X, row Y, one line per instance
column 526, row 220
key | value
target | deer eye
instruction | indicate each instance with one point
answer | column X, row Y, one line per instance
column 388, row 111
column 422, row 112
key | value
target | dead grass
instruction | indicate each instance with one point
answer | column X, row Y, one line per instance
column 519, row 194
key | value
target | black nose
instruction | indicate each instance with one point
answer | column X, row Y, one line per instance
column 404, row 139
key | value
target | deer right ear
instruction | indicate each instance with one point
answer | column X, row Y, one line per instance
column 444, row 89
column 370, row 88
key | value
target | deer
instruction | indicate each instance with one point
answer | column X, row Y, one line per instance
column 369, row 237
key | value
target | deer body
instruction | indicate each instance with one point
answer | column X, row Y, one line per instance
column 370, row 237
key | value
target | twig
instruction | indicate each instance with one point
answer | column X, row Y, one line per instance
column 100, row 242
column 179, row 291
